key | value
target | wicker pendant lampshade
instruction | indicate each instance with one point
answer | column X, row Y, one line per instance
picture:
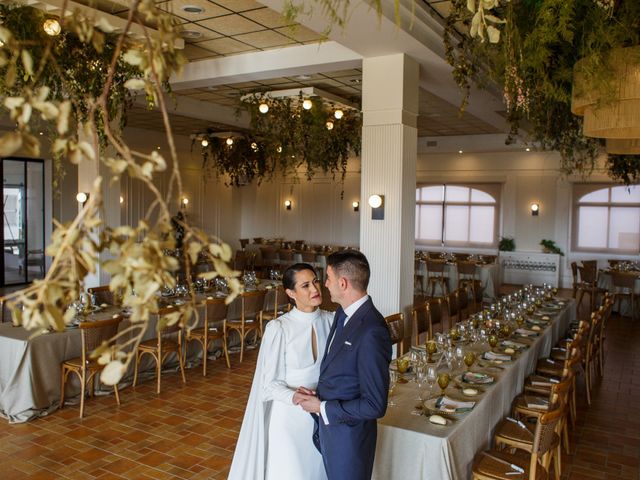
column 613, row 114
column 620, row 146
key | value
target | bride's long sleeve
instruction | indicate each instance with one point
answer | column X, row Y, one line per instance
column 272, row 351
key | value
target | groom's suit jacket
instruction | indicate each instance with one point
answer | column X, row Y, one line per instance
column 354, row 383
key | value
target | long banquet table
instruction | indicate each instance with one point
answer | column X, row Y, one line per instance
column 30, row 365
column 412, row 448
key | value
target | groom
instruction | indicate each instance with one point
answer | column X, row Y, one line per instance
column 354, row 374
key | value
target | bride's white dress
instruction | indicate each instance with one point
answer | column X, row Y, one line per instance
column 275, row 438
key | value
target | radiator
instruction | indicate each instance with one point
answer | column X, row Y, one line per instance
column 521, row 268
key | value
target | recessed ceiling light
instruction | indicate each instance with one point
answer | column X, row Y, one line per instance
column 193, row 9
column 190, row 34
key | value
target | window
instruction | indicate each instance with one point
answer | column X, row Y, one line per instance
column 457, row 215
column 606, row 218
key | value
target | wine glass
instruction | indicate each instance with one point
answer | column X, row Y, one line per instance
column 432, row 348
column 393, row 379
column 421, row 376
column 432, row 376
column 443, row 381
column 469, row 359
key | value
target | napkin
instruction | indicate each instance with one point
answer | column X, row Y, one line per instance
column 446, row 404
column 512, row 344
column 477, row 378
column 496, row 356
column 538, row 380
column 537, row 402
column 526, row 333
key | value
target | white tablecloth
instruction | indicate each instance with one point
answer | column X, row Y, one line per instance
column 605, row 281
column 409, row 447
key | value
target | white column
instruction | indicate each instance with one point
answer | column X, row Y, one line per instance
column 389, row 149
column 87, row 173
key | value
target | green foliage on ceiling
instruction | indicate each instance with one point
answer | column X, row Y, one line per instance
column 286, row 139
column 533, row 63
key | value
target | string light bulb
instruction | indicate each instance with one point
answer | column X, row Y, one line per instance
column 264, row 108
column 82, row 197
column 329, row 125
column 51, row 27
column 307, row 104
column 338, row 114
column 204, row 142
column 229, row 141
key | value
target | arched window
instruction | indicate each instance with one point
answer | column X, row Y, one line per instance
column 606, row 218
column 457, row 215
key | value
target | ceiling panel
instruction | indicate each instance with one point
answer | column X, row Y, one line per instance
column 267, row 18
column 232, row 25
column 265, row 39
column 225, row 46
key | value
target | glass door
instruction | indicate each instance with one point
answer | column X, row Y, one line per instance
column 23, row 220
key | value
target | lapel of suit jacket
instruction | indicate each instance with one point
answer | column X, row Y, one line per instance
column 352, row 325
column 332, row 330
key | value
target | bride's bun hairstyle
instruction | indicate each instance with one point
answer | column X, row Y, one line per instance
column 289, row 276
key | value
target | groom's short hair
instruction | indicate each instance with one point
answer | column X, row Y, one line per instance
column 352, row 265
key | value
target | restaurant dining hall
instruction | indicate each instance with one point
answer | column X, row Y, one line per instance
column 320, row 239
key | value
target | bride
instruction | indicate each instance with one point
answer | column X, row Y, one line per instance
column 276, row 435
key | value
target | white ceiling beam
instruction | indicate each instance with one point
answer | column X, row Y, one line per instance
column 255, row 66
column 198, row 109
column 54, row 7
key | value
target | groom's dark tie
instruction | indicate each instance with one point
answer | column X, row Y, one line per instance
column 340, row 318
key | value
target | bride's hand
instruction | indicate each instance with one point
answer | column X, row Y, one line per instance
column 306, row 391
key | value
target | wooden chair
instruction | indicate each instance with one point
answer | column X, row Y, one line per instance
column 258, row 240
column 395, row 324
column 215, row 313
column 463, row 302
column 251, row 304
column 276, row 303
column 478, row 296
column 93, row 334
column 240, row 261
column 467, row 273
column 101, row 295
column 461, row 256
column 574, row 275
column 269, row 255
column 434, row 255
column 453, row 308
column 588, row 285
column 436, row 310
column 418, row 278
column 311, row 257
column 421, row 324
column 489, row 259
column 494, row 464
column 244, row 242
column 624, row 285
column 161, row 346
column 613, row 263
column 285, row 257
column 436, row 276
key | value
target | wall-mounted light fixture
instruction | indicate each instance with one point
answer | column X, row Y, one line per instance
column 121, row 199
column 82, row 198
column 287, row 204
column 376, row 202
column 356, row 206
column 535, row 209
column 185, row 202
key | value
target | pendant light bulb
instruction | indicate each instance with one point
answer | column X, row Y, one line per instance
column 338, row 114
column 307, row 104
column 264, row 108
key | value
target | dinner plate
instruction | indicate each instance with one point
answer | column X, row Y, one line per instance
column 431, row 406
column 475, row 378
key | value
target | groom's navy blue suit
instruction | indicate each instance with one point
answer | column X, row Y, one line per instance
column 354, row 383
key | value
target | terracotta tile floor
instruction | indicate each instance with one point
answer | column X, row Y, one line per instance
column 189, row 431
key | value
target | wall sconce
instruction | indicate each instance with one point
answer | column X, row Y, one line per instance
column 535, row 209
column 376, row 202
column 82, row 198
column 356, row 206
column 287, row 204
column 121, row 199
column 185, row 202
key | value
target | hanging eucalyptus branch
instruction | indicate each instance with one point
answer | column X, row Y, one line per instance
column 284, row 139
column 77, row 83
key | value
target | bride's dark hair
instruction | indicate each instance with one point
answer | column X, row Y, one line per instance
column 289, row 276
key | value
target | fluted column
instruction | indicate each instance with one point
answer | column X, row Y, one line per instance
column 389, row 149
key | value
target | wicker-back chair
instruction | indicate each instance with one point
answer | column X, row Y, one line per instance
column 420, row 322
column 436, row 315
column 453, row 308
column 93, row 334
column 276, row 302
column 168, row 340
column 102, row 295
column 436, row 276
column 395, row 324
column 251, row 304
column 212, row 329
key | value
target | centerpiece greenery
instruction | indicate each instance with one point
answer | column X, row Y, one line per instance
column 285, row 138
column 73, row 83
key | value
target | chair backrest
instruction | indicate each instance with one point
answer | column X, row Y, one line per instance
column 395, row 324
column 420, row 318
column 252, row 303
column 461, row 256
column 269, row 253
column 240, row 261
column 544, row 433
column 478, row 289
column 588, row 274
column 453, row 305
column 164, row 329
column 574, row 272
column 285, row 254
column 244, row 242
column 463, row 302
column 435, row 266
column 308, row 256
column 434, row 255
column 613, row 262
column 624, row 280
column 466, row 268
column 215, row 310
column 435, row 308
column 590, row 264
column 258, row 240
column 102, row 294
column 95, row 333
column 275, row 300
column 489, row 258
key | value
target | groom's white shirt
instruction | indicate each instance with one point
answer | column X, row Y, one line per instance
column 349, row 311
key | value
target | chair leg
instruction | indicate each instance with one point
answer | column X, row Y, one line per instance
column 205, row 351
column 83, row 387
column 115, row 390
column 580, row 297
column 62, row 383
column 557, row 461
column 135, row 370
column 241, row 345
column 225, row 349
column 158, row 370
column 184, row 379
